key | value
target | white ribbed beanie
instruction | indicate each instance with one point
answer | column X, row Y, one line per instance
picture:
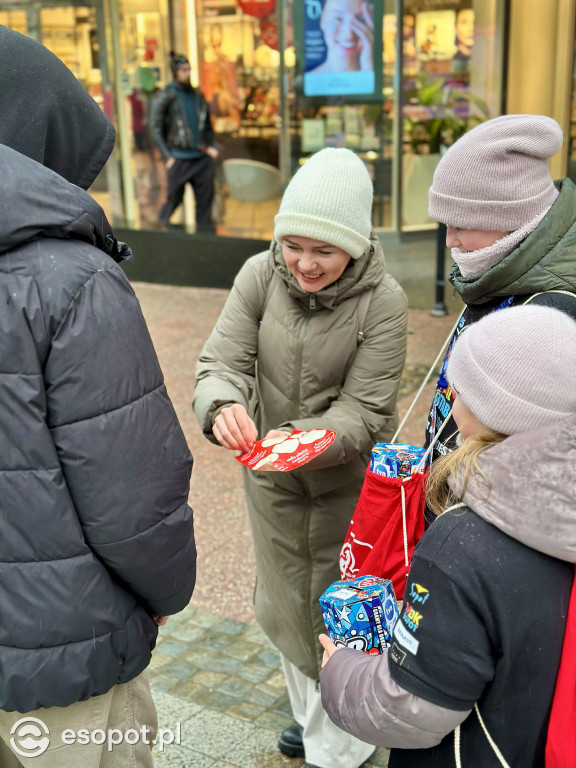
column 515, row 369
column 496, row 177
column 329, row 199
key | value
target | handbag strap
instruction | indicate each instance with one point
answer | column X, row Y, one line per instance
column 491, row 741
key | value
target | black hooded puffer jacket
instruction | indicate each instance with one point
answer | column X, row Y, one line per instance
column 96, row 535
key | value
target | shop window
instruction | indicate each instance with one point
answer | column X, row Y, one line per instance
column 451, row 76
column 238, row 63
column 16, row 20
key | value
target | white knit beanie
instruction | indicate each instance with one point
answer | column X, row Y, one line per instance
column 496, row 177
column 329, row 199
column 515, row 369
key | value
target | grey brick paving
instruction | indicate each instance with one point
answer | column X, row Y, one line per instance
column 223, row 683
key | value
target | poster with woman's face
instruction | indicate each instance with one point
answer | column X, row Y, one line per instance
column 339, row 47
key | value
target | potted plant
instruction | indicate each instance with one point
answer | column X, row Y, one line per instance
column 435, row 115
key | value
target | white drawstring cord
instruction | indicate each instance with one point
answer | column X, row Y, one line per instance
column 491, row 741
column 426, row 379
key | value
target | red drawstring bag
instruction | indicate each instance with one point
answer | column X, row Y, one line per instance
column 387, row 524
column 561, row 741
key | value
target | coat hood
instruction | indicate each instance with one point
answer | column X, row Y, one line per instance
column 359, row 276
column 544, row 261
column 39, row 203
column 47, row 114
column 533, row 488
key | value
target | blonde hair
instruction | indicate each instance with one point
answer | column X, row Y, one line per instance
column 462, row 461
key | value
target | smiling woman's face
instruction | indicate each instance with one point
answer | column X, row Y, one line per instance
column 314, row 263
column 338, row 25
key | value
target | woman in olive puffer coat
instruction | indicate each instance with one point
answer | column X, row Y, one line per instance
column 286, row 354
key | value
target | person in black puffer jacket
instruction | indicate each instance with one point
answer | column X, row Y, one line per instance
column 97, row 541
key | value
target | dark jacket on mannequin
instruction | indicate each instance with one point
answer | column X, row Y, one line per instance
column 170, row 126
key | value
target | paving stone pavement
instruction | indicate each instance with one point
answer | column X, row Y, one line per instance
column 220, row 679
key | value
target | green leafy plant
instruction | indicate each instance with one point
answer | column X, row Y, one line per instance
column 436, row 115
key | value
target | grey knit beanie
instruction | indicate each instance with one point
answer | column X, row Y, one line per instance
column 496, row 177
column 515, row 368
column 329, row 199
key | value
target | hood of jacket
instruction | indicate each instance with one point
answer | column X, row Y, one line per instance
column 47, row 115
column 532, row 497
column 359, row 276
column 39, row 203
column 544, row 261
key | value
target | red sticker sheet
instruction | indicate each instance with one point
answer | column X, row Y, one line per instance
column 281, row 454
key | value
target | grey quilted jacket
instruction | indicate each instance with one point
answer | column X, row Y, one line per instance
column 96, row 534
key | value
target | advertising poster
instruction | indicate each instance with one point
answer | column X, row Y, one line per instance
column 435, row 35
column 340, row 49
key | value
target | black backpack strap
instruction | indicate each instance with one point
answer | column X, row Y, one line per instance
column 565, row 301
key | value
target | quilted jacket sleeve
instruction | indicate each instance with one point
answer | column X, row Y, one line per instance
column 360, row 696
column 227, row 363
column 123, row 454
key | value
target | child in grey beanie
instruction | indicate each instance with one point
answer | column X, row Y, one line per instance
column 510, row 228
column 515, row 370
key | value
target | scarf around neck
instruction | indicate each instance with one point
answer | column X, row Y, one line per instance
column 477, row 263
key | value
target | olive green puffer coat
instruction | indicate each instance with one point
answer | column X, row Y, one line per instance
column 299, row 366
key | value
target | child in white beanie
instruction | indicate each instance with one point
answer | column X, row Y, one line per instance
column 477, row 647
column 286, row 354
column 509, row 226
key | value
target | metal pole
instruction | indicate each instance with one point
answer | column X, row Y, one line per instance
column 397, row 145
column 285, row 148
column 121, row 121
column 439, row 309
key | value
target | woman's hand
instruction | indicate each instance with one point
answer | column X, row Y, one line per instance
column 329, row 648
column 234, row 429
column 364, row 29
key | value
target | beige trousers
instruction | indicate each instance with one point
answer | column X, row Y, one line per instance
column 126, row 708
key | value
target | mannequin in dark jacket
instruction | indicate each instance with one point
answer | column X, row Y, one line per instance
column 182, row 130
column 97, row 539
